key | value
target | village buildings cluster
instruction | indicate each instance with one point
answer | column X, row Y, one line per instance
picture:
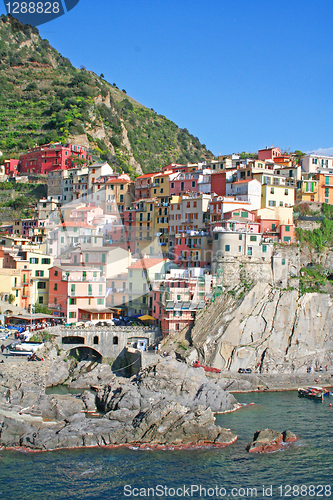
column 103, row 245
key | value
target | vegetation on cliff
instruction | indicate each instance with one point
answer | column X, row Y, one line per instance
column 44, row 98
column 321, row 237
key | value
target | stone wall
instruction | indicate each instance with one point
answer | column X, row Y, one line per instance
column 307, row 225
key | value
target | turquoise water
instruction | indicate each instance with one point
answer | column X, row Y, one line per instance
column 103, row 473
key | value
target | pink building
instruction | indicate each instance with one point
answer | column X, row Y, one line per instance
column 75, row 291
column 90, row 215
column 181, row 183
column 177, row 300
column 269, row 153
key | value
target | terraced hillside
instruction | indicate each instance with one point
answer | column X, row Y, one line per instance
column 44, row 98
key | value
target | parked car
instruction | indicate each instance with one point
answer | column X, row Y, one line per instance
column 244, row 370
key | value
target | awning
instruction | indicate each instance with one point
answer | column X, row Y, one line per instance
column 146, row 317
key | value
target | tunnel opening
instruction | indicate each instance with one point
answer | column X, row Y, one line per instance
column 86, row 353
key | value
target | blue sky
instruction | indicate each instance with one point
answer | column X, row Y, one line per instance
column 240, row 75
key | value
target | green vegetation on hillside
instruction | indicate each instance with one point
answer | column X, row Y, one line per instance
column 45, row 99
column 321, row 237
column 18, row 200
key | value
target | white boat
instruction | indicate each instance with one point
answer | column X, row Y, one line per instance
column 27, row 347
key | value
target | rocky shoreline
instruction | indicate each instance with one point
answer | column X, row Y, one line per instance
column 166, row 405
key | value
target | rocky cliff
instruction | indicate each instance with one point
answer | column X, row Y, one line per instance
column 266, row 328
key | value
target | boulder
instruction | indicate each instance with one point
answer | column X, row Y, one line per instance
column 268, row 440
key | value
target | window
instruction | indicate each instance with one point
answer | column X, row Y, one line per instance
column 286, row 191
column 253, row 238
column 283, row 262
column 62, row 239
column 39, row 273
column 72, row 314
column 100, row 302
column 245, row 214
column 72, row 290
column 273, row 227
column 240, row 236
column 33, row 260
column 227, row 248
column 55, row 273
column 314, row 161
column 96, row 340
column 327, row 180
column 72, row 302
column 193, row 184
column 86, row 257
column 239, row 248
column 115, row 341
column 272, row 190
column 55, row 286
column 46, row 261
column 100, row 291
column 172, row 185
column 41, row 285
column 264, row 248
column 287, row 239
column 40, row 300
column 287, row 228
column 89, row 289
column 249, row 251
column 55, row 300
column 272, row 203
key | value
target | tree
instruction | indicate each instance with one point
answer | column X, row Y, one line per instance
column 11, row 298
column 39, row 309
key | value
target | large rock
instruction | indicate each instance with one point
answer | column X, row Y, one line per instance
column 267, row 329
column 168, row 403
column 267, row 440
column 170, row 380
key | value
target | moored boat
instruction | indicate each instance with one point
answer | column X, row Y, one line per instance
column 312, row 392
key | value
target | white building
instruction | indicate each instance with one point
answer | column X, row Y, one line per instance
column 311, row 162
column 247, row 190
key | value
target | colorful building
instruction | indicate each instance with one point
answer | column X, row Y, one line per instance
column 43, row 159
column 75, row 292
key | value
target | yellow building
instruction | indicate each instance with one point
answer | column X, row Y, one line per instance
column 145, row 226
column 275, row 190
column 307, row 190
column 160, row 187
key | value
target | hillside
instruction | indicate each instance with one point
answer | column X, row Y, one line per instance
column 44, row 98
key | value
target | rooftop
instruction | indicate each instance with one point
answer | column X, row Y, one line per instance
column 146, row 263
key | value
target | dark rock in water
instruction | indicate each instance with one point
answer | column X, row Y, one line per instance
column 268, row 440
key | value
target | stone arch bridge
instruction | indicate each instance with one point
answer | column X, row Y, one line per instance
column 103, row 344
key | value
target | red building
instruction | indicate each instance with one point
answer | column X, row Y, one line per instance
column 143, row 183
column 11, row 167
column 42, row 159
column 218, row 183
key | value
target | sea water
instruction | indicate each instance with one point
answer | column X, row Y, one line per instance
column 302, row 469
